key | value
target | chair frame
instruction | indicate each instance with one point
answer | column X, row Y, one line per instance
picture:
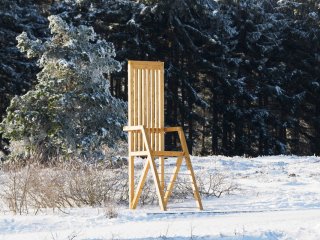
column 147, row 140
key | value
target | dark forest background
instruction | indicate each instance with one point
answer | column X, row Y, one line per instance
column 241, row 77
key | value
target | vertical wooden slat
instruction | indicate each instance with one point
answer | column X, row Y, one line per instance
column 145, row 93
column 152, row 108
column 130, row 104
column 156, row 117
column 147, row 111
column 161, row 124
column 130, row 137
column 139, row 108
column 156, row 110
column 135, row 120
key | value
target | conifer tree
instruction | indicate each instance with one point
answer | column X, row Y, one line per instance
column 71, row 110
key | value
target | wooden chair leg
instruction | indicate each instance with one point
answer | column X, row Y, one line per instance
column 190, row 168
column 161, row 173
column 154, row 171
column 194, row 183
column 158, row 176
column 150, row 162
column 131, row 181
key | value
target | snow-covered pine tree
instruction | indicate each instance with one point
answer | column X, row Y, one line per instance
column 71, row 111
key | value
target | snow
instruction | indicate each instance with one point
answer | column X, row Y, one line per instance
column 278, row 198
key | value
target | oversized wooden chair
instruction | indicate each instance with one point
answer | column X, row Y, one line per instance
column 146, row 132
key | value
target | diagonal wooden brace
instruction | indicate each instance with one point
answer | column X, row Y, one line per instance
column 190, row 168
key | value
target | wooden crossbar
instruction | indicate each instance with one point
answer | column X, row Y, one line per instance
column 146, row 132
column 157, row 153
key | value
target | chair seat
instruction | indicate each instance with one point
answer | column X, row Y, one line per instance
column 158, row 153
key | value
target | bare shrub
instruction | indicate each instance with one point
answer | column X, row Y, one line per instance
column 209, row 184
column 148, row 195
column 15, row 190
column 75, row 184
column 34, row 186
column 94, row 186
column 215, row 184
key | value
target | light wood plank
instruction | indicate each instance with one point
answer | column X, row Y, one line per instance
column 167, row 153
column 161, row 125
column 138, row 153
column 147, row 103
column 154, row 172
column 131, row 180
column 156, row 111
column 146, row 64
column 133, row 128
column 172, row 129
column 130, row 135
column 138, row 128
column 144, row 101
column 189, row 166
column 157, row 153
column 135, row 117
column 139, row 109
column 152, row 103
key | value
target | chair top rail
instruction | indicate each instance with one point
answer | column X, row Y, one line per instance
column 146, row 64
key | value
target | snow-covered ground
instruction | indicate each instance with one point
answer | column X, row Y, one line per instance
column 278, row 198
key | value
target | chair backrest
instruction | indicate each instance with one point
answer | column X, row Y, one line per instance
column 146, row 103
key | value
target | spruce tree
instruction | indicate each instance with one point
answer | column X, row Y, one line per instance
column 71, row 111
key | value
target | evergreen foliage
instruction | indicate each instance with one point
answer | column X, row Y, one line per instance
column 70, row 111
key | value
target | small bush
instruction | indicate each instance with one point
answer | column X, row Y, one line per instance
column 215, row 185
column 35, row 187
